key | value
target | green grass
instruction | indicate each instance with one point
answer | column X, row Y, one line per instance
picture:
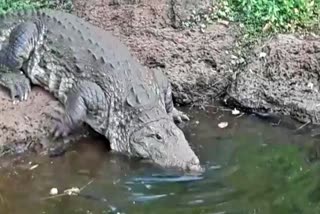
column 12, row 5
column 261, row 16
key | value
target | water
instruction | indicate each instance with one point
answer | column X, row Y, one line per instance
column 252, row 167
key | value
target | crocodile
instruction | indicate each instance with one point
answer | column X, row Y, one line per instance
column 98, row 82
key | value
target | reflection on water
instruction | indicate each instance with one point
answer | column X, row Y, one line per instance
column 252, row 167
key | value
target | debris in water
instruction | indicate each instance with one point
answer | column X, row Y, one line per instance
column 34, row 166
column 72, row 191
column 53, row 191
column 223, row 125
column 235, row 111
column 215, row 167
column 199, row 201
column 148, row 186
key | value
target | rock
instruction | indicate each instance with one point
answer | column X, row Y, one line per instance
column 281, row 80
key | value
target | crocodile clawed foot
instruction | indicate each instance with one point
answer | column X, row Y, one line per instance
column 20, row 91
column 61, row 127
column 179, row 116
column 18, row 84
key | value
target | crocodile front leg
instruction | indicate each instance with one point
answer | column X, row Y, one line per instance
column 17, row 83
column 22, row 42
column 178, row 116
column 165, row 87
column 85, row 100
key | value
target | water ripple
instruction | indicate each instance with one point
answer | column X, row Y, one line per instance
column 164, row 179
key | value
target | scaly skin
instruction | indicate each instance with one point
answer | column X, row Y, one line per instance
column 98, row 82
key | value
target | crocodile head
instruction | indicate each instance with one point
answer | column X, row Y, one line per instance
column 164, row 143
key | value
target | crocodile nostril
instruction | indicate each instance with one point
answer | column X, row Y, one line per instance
column 194, row 161
column 195, row 168
column 194, row 165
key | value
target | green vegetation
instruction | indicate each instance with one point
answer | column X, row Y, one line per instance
column 276, row 179
column 271, row 15
column 12, row 5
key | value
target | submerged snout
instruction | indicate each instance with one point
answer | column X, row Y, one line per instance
column 164, row 143
column 194, row 166
column 191, row 164
column 177, row 153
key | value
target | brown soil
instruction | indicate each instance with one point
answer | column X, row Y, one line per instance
column 285, row 81
column 198, row 64
column 25, row 126
column 25, row 122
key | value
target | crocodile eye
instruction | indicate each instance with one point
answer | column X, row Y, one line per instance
column 158, row 137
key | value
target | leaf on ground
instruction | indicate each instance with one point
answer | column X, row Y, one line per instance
column 235, row 112
column 223, row 125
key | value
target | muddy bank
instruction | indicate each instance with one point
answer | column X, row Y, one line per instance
column 197, row 64
column 281, row 75
column 25, row 126
column 25, row 123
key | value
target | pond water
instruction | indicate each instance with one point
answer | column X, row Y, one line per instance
column 251, row 167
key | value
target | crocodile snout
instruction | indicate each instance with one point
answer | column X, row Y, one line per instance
column 162, row 142
column 194, row 166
